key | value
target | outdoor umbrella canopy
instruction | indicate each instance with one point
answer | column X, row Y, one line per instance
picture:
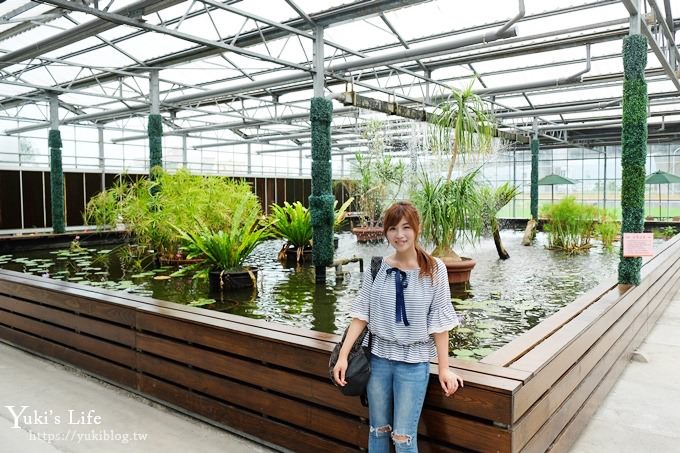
column 552, row 180
column 661, row 177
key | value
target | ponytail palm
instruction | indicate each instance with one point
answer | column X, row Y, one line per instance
column 450, row 212
column 462, row 124
column 491, row 201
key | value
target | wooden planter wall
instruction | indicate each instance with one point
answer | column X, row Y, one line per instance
column 270, row 381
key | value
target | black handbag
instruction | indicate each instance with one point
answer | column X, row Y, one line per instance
column 359, row 358
column 358, row 365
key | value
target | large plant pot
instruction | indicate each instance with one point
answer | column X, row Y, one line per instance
column 291, row 255
column 368, row 234
column 307, row 255
column 231, row 280
column 459, row 271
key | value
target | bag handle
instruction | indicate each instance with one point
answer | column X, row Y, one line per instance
column 376, row 263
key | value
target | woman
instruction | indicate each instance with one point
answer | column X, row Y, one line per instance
column 409, row 314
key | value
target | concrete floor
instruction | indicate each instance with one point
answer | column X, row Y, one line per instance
column 127, row 423
column 641, row 414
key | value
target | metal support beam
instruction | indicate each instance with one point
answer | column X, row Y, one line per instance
column 639, row 26
column 136, row 23
column 319, row 75
column 184, row 151
column 81, row 32
column 250, row 160
column 154, row 92
column 54, row 111
column 102, row 160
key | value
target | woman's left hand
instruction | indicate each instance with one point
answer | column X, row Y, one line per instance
column 449, row 381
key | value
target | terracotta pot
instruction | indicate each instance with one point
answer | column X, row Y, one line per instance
column 368, row 234
column 231, row 280
column 459, row 271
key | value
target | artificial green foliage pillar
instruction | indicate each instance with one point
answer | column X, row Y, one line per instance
column 155, row 130
column 534, row 178
column 633, row 149
column 322, row 200
column 56, row 181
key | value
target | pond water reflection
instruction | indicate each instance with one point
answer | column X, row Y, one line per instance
column 504, row 298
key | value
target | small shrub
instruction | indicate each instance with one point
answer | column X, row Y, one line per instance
column 608, row 228
column 665, row 232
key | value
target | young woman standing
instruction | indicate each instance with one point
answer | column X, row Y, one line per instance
column 409, row 314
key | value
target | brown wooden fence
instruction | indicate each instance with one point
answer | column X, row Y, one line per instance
column 270, row 381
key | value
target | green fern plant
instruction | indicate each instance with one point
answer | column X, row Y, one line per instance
column 225, row 250
column 293, row 223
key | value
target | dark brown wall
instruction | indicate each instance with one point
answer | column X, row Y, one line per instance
column 10, row 204
column 75, row 198
column 80, row 187
column 33, row 199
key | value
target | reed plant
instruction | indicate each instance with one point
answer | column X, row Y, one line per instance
column 570, row 225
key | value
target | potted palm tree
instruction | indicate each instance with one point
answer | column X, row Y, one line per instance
column 462, row 127
column 451, row 214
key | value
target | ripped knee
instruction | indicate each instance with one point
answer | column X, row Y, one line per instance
column 381, row 430
column 401, row 439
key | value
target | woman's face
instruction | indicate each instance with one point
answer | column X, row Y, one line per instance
column 401, row 236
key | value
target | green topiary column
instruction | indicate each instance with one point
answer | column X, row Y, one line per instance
column 634, row 149
column 322, row 200
column 155, row 130
column 534, row 178
column 56, row 181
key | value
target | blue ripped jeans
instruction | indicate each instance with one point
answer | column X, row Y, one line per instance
column 396, row 392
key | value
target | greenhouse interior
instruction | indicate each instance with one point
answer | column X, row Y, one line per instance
column 192, row 195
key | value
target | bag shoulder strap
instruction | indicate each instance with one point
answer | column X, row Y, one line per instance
column 376, row 262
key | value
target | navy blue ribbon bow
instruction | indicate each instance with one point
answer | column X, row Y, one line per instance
column 400, row 284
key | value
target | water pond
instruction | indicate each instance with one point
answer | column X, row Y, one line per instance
column 504, row 298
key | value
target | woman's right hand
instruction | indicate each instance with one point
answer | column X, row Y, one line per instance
column 339, row 371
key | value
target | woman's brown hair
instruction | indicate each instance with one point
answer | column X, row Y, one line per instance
column 405, row 210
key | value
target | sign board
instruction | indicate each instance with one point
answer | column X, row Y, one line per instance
column 638, row 244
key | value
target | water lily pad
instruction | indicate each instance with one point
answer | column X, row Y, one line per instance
column 75, row 279
column 463, row 352
column 483, row 351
